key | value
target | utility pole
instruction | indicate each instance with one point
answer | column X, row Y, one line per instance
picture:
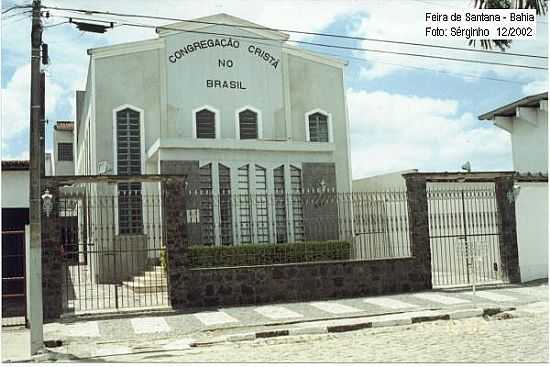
column 34, row 244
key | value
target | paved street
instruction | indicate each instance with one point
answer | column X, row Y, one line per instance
column 223, row 320
column 522, row 338
column 169, row 337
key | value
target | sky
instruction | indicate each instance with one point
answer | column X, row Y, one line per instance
column 405, row 112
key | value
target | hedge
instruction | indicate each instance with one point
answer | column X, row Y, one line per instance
column 265, row 254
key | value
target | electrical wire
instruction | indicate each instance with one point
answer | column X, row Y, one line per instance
column 411, row 54
column 116, row 14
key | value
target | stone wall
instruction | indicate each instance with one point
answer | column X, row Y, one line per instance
column 215, row 287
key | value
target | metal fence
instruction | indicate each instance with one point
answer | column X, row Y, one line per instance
column 112, row 244
column 13, row 278
column 464, row 234
column 374, row 223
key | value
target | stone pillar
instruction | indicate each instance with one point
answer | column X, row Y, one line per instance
column 509, row 258
column 53, row 265
column 419, row 232
column 175, row 240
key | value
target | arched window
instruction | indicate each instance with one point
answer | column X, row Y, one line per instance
column 128, row 160
column 318, row 127
column 248, row 124
column 205, row 124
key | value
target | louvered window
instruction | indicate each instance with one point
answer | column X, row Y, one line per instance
column 318, row 127
column 205, row 124
column 297, row 208
column 64, row 151
column 262, row 219
column 248, row 124
column 280, row 204
column 225, row 205
column 130, row 211
column 244, row 205
column 207, row 205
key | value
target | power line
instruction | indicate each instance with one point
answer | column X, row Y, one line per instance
column 329, row 46
column 16, row 7
column 86, row 11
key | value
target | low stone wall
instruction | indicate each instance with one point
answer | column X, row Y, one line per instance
column 299, row 282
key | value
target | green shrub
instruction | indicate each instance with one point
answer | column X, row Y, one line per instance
column 265, row 254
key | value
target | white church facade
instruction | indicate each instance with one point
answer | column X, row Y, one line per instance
column 235, row 108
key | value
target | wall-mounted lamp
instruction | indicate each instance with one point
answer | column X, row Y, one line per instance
column 47, row 202
column 322, row 186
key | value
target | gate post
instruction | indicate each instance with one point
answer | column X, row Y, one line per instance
column 53, row 271
column 509, row 258
column 173, row 198
column 417, row 206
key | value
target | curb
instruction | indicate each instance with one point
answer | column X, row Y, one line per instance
column 365, row 323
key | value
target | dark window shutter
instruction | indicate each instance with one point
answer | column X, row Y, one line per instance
column 248, row 124
column 65, row 151
column 206, row 124
column 318, row 127
column 130, row 216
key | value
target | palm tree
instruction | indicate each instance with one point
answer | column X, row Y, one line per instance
column 541, row 6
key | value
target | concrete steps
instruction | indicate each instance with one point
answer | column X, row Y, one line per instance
column 150, row 281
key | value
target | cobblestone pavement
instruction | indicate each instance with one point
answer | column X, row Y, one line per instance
column 522, row 338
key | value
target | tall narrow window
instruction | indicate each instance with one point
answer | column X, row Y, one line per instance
column 207, row 207
column 248, row 124
column 130, row 211
column 297, row 208
column 280, row 204
column 244, row 205
column 318, row 127
column 225, row 205
column 205, row 121
column 262, row 219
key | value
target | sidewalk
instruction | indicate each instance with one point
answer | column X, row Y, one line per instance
column 125, row 334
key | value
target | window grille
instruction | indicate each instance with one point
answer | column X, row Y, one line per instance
column 205, row 124
column 280, row 204
column 207, row 207
column 318, row 127
column 297, row 208
column 64, row 151
column 248, row 124
column 262, row 220
column 130, row 211
column 225, row 205
column 244, row 205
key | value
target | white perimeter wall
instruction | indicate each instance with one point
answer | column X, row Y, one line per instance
column 15, row 189
column 532, row 230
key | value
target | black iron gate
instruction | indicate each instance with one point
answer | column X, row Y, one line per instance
column 464, row 234
column 112, row 246
column 13, row 278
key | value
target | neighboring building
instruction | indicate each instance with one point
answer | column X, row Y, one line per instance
column 234, row 114
column 63, row 151
column 527, row 121
column 382, row 182
column 15, row 215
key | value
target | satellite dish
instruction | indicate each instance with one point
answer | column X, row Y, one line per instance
column 467, row 166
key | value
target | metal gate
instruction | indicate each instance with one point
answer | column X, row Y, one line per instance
column 464, row 234
column 112, row 247
column 14, row 302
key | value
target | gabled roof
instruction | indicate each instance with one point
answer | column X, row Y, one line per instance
column 221, row 19
column 510, row 109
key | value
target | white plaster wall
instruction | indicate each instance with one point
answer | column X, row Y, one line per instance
column 63, row 168
column 15, row 189
column 530, row 144
column 532, row 230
